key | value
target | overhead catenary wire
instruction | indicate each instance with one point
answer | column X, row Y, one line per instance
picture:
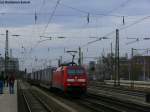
column 101, row 14
column 85, row 12
column 79, row 10
column 120, row 6
column 51, row 16
column 62, row 15
column 35, row 14
column 123, row 4
column 112, row 32
column 45, row 28
column 36, row 17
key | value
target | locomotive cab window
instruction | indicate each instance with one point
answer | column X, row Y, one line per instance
column 75, row 72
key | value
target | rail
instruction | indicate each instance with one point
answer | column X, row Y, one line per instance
column 33, row 102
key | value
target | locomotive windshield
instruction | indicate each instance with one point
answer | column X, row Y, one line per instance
column 75, row 71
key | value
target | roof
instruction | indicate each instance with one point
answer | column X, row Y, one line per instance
column 69, row 64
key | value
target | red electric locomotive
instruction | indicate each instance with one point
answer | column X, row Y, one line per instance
column 70, row 78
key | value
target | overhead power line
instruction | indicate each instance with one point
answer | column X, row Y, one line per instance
column 79, row 10
column 112, row 32
column 118, row 7
column 135, row 22
column 51, row 16
column 65, row 15
column 100, row 14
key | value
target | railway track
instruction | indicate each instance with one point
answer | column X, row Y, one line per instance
column 33, row 102
column 97, row 106
column 111, row 104
column 93, row 103
column 120, row 89
column 36, row 100
column 98, row 103
column 84, row 102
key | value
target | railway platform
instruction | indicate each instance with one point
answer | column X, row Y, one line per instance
column 8, row 102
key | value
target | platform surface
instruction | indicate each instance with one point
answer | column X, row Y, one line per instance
column 8, row 102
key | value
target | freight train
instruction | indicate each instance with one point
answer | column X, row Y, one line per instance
column 69, row 78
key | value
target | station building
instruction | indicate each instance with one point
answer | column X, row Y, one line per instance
column 12, row 65
column 141, row 67
column 138, row 66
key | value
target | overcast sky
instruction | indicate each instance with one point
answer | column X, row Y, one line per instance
column 70, row 21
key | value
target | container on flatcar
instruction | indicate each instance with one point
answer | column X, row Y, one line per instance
column 46, row 77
